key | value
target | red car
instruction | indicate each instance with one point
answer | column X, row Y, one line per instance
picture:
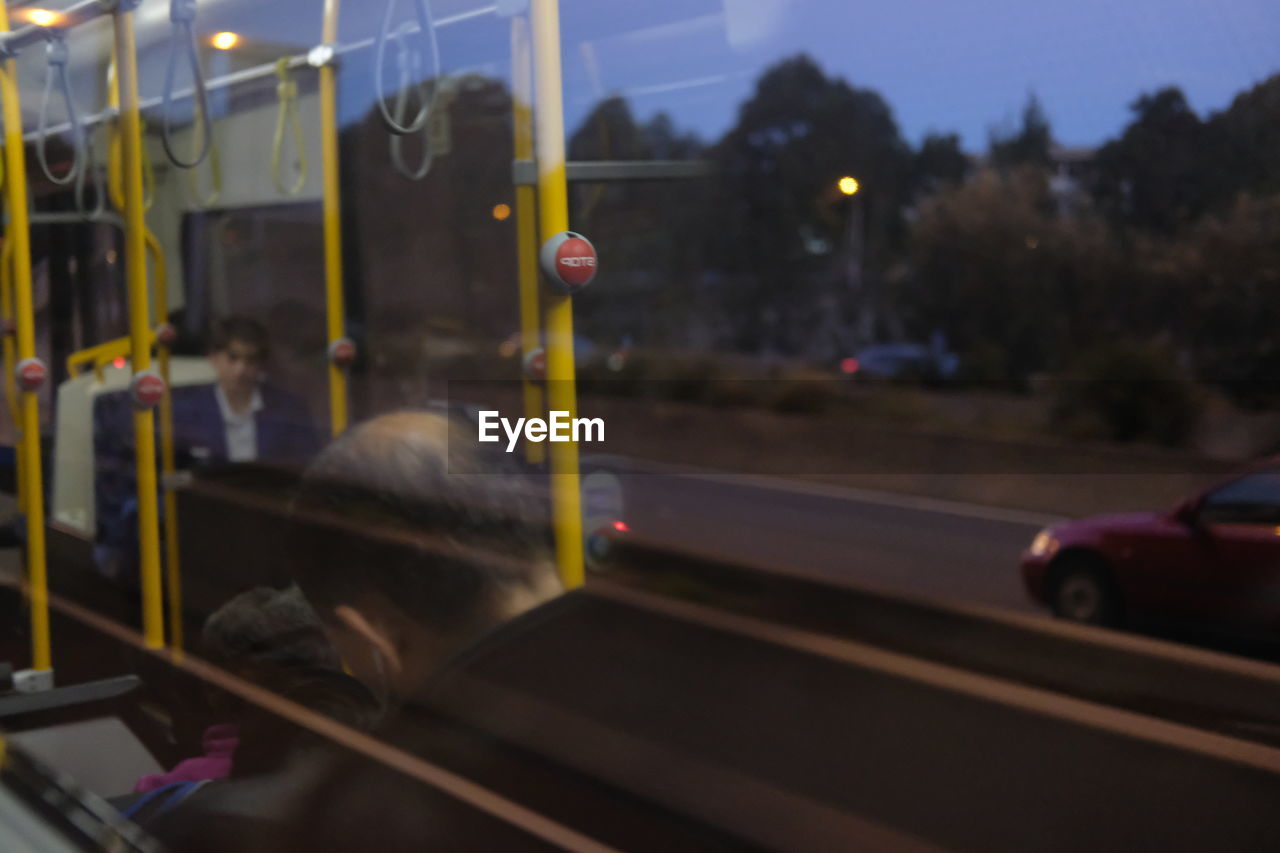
column 1214, row 560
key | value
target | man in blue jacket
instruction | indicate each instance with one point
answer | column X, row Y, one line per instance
column 238, row 418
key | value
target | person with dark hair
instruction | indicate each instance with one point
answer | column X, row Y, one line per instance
column 237, row 418
column 240, row 417
column 260, row 635
column 273, row 639
column 266, row 629
column 240, row 329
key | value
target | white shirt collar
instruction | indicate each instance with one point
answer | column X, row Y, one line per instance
column 231, row 416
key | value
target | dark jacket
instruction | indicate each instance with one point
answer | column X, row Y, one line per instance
column 286, row 434
column 285, row 431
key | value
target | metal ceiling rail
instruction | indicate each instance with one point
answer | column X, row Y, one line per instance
column 316, row 57
column 81, row 13
column 525, row 173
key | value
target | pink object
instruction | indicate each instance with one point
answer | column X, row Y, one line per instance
column 219, row 746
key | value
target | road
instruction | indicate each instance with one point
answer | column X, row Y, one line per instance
column 927, row 547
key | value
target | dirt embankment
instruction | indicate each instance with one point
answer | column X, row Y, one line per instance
column 841, row 448
column 844, row 446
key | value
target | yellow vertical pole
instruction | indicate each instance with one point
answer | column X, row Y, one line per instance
column 334, row 308
column 24, row 317
column 526, row 225
column 135, row 259
column 115, row 179
column 553, row 211
column 168, row 462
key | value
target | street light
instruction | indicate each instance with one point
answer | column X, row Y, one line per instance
column 862, row 333
column 225, row 40
column 40, row 17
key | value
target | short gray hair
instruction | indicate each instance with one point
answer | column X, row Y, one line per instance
column 393, row 506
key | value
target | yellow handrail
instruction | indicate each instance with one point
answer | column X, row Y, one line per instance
column 334, row 307
column 99, row 355
column 287, row 118
column 24, row 317
column 115, row 181
column 553, row 209
column 140, row 330
column 526, row 226
column 168, row 462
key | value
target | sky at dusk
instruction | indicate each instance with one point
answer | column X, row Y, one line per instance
column 945, row 66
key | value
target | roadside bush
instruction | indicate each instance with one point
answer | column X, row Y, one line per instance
column 686, row 379
column 678, row 377
column 802, row 392
column 736, row 392
column 900, row 405
column 1126, row 392
column 706, row 380
column 597, row 378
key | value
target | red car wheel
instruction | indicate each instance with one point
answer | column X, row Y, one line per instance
column 1083, row 591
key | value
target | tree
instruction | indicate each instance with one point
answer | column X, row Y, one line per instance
column 1169, row 168
column 1013, row 286
column 1154, row 176
column 1242, row 146
column 437, row 232
column 1127, row 390
column 646, row 232
column 939, row 163
column 609, row 132
column 1029, row 145
column 665, row 142
column 778, row 224
column 1220, row 278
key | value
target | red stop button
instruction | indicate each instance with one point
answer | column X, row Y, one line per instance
column 146, row 389
column 31, row 373
column 569, row 260
column 342, row 352
column 535, row 365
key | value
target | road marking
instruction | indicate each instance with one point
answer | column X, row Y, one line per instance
column 849, row 493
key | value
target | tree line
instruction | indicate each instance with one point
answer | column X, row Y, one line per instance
column 1168, row 236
